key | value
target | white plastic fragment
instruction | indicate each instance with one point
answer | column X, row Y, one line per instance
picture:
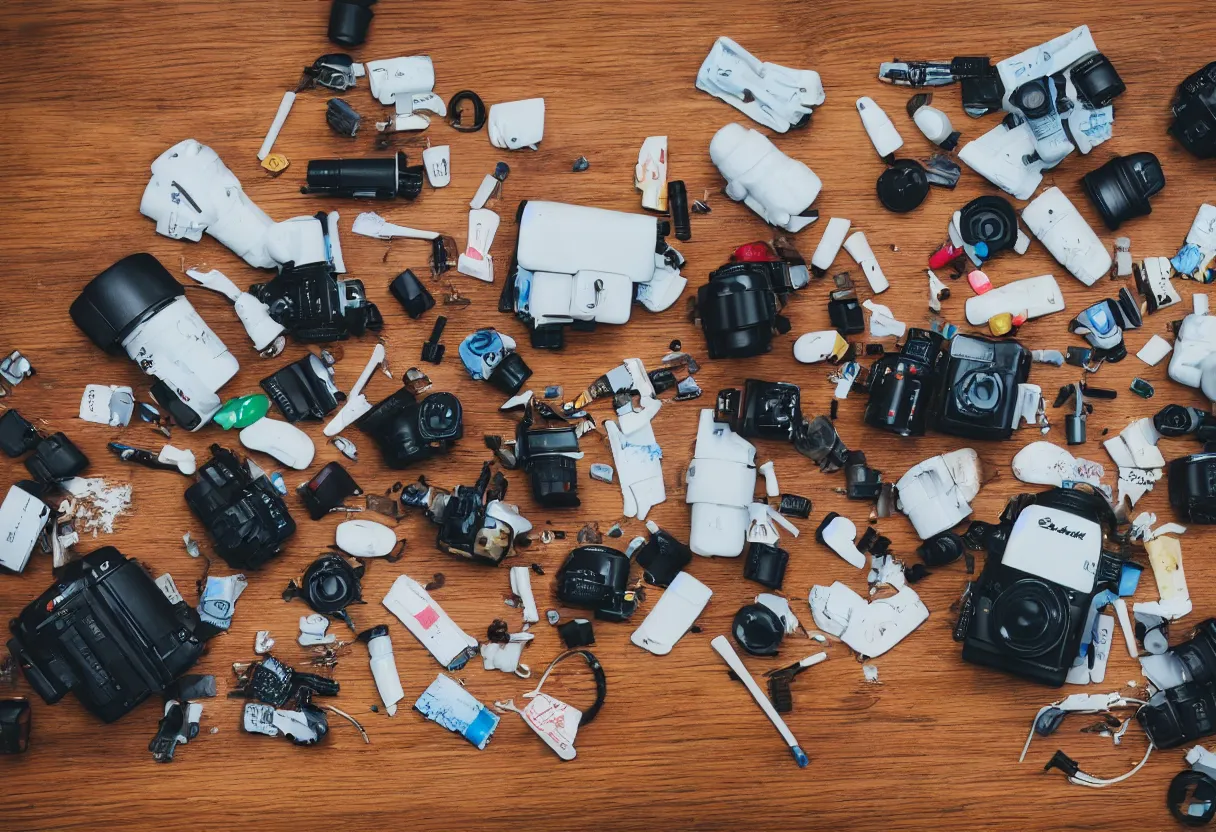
column 437, row 160
column 882, row 132
column 280, row 116
column 859, row 249
column 601, row 472
column 1155, row 283
column 23, row 517
column 1045, row 463
column 778, row 188
column 521, row 585
column 650, row 173
column 371, row 224
column 15, row 368
column 870, row 673
column 1125, row 626
column 1197, row 252
column 771, row 487
column 840, row 534
column 1138, row 458
column 1165, row 556
column 263, row 330
column 407, row 84
column 636, row 452
column 676, row 611
column 105, row 404
column 384, row 671
column 489, row 184
column 1123, row 257
column 1057, row 224
column 218, row 600
column 868, row 628
column 937, row 291
column 517, row 124
column 262, row 642
column 313, row 631
column 1154, row 351
column 356, row 405
column 507, row 657
column 1194, row 360
column 814, row 347
column 281, row 440
column 999, row 156
column 829, row 244
column 1033, row 297
column 426, row 620
column 936, row 494
column 1081, row 673
column 721, row 480
column 365, row 538
column 883, row 323
column 475, row 260
column 776, row 96
column 447, row 703
column 780, row 607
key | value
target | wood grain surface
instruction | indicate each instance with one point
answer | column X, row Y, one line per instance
column 95, row 90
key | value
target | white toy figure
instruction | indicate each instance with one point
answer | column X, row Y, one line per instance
column 776, row 187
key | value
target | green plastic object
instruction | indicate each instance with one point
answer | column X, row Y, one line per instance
column 1142, row 388
column 242, row 412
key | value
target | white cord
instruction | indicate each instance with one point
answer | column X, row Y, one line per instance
column 1083, row 779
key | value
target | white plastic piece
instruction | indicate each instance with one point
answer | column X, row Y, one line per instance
column 365, row 538
column 882, row 132
column 517, row 124
column 280, row 116
column 999, row 156
column 438, row 163
column 778, row 188
column 1049, row 58
column 313, row 631
column 1136, row 446
column 23, row 517
column 1165, row 556
column 933, row 123
column 937, row 290
column 1081, row 673
column 1044, row 463
column 384, row 672
column 1156, row 349
column 1033, row 297
column 1026, row 409
column 489, row 184
column 475, row 260
column 859, row 249
column 1200, row 759
column 829, row 244
column 724, row 649
column 427, row 621
column 263, row 643
column 780, row 607
column 721, row 480
column 356, row 405
column 1155, row 283
column 936, row 494
column 303, row 240
column 107, row 404
column 270, row 721
column 840, row 535
column 191, row 191
column 371, row 224
column 773, row 95
column 1194, row 359
column 814, row 347
column 183, row 458
column 1038, row 546
column 521, row 585
column 254, row 315
column 407, row 84
column 676, row 611
column 1125, row 625
column 506, row 657
column 868, row 628
column 762, row 522
column 883, row 323
column 281, row 440
column 1200, row 246
column 771, row 487
column 1123, row 257
column 1055, row 221
column 650, row 173
column 584, row 263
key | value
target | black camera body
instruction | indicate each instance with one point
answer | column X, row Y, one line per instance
column 303, row 389
column 761, row 409
column 408, row 431
column 901, row 384
column 1027, row 610
column 1192, row 485
column 105, row 631
column 977, row 390
column 1194, row 110
column 315, row 306
column 738, row 309
column 245, row 516
column 1185, row 712
column 550, row 458
column 967, row 386
column 597, row 577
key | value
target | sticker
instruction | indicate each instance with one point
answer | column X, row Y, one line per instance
column 1055, row 545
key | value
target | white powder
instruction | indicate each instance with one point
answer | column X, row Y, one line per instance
column 98, row 503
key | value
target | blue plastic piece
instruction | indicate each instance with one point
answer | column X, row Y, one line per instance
column 981, row 250
column 1129, row 579
column 800, row 756
column 481, row 352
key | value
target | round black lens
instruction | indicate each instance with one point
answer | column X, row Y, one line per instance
column 1030, row 617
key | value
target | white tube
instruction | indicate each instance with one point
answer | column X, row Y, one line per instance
column 728, row 654
column 289, row 98
column 859, row 249
column 830, row 243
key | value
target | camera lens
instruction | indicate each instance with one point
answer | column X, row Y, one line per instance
column 1033, row 98
column 1096, row 81
column 1121, row 188
column 1030, row 617
column 903, row 186
column 738, row 311
column 990, row 220
column 980, row 392
column 439, row 417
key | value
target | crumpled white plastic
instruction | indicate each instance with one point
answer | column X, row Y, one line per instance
column 776, row 96
column 869, row 628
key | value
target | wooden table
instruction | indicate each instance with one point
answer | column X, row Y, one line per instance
column 97, row 90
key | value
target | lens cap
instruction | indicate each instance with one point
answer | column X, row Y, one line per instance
column 758, row 630
column 990, row 220
column 903, row 186
column 331, row 584
column 1030, row 617
column 941, row 549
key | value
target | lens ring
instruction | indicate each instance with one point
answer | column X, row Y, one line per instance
column 1030, row 618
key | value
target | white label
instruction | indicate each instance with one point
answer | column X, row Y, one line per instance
column 1057, row 546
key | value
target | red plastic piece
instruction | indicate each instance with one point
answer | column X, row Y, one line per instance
column 757, row 252
column 944, row 256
